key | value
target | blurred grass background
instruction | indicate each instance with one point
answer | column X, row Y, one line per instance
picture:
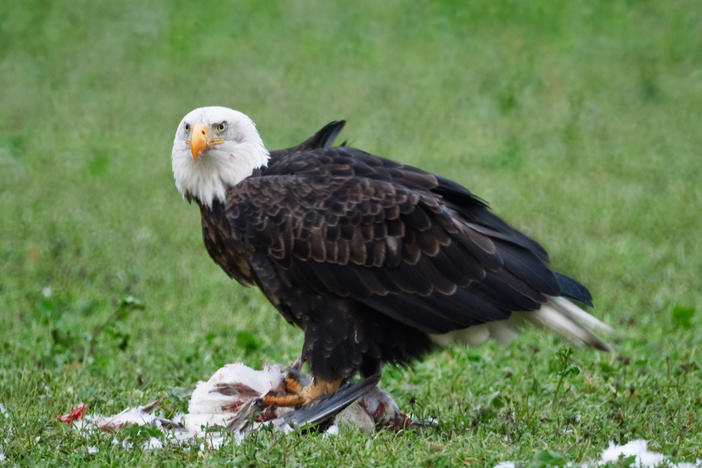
column 578, row 121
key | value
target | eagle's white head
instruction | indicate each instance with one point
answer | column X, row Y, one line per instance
column 215, row 148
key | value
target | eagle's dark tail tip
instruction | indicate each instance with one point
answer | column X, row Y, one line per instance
column 573, row 289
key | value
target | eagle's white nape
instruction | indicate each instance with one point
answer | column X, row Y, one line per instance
column 224, row 164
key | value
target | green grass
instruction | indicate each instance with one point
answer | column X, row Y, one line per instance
column 578, row 121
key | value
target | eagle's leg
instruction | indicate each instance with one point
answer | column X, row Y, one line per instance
column 292, row 385
column 297, row 364
column 302, row 395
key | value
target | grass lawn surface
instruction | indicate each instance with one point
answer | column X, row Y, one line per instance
column 579, row 122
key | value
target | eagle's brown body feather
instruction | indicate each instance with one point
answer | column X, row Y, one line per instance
column 369, row 256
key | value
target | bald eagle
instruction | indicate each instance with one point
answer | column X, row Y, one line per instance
column 376, row 261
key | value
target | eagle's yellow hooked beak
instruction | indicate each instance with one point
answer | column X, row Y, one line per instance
column 198, row 141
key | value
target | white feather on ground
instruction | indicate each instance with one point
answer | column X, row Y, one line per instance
column 635, row 448
column 220, row 400
column 216, row 402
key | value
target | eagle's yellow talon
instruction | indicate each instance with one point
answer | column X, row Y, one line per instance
column 299, row 395
column 292, row 385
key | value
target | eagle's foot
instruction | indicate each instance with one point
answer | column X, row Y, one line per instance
column 299, row 395
column 292, row 385
column 285, row 400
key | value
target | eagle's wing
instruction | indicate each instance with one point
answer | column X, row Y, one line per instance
column 416, row 247
column 324, row 137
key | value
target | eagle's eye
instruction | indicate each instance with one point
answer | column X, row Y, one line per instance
column 221, row 127
column 187, row 127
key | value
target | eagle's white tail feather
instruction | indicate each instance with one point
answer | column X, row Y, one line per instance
column 557, row 314
column 474, row 336
column 579, row 315
column 554, row 318
column 505, row 331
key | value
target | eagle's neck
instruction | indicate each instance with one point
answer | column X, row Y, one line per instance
column 212, row 211
column 208, row 178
